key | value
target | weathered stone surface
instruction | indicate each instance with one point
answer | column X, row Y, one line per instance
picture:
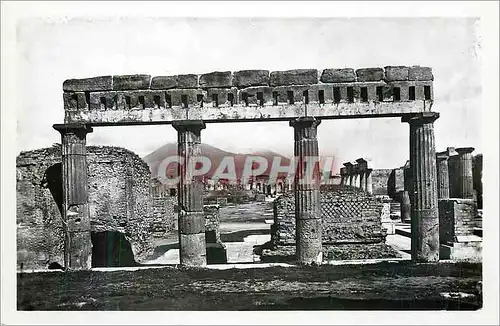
column 216, row 79
column 420, row 73
column 294, row 77
column 348, row 216
column 131, row 82
column 212, row 223
column 187, row 81
column 425, row 219
column 193, row 249
column 396, row 73
column 164, row 82
column 338, row 75
column 190, row 197
column 192, row 223
column 370, row 74
column 79, row 250
column 466, row 184
column 443, row 180
column 119, row 200
column 101, row 83
column 247, row 78
column 456, row 218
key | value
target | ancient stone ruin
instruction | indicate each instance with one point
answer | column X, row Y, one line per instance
column 122, row 211
column 302, row 97
column 459, row 189
column 350, row 225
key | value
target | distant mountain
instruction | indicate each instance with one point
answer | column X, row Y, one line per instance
column 215, row 155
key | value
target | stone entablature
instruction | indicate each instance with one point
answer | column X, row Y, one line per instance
column 249, row 95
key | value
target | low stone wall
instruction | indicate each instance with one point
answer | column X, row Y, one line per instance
column 119, row 201
column 349, row 216
column 456, row 219
column 164, row 215
column 212, row 223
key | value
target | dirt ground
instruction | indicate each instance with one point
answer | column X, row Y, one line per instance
column 393, row 286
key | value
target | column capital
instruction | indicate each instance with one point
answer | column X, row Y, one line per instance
column 464, row 150
column 420, row 118
column 362, row 164
column 442, row 156
column 79, row 129
column 189, row 125
column 304, row 122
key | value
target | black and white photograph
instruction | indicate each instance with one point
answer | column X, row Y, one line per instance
column 223, row 162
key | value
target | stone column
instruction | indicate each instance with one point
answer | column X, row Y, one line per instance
column 424, row 209
column 443, row 180
column 349, row 175
column 75, row 205
column 368, row 181
column 405, row 207
column 466, row 185
column 307, row 202
column 362, row 167
column 190, row 199
column 343, row 176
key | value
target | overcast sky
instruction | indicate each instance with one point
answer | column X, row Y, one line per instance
column 51, row 51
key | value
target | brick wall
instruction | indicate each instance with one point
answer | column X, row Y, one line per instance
column 348, row 215
column 119, row 200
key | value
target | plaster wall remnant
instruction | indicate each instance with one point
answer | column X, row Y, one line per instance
column 119, row 201
column 248, row 95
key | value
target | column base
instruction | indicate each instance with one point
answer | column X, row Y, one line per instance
column 309, row 242
column 79, row 251
column 193, row 250
column 425, row 236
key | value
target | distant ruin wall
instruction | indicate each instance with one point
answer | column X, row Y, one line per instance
column 119, row 200
column 456, row 219
column 349, row 216
column 380, row 179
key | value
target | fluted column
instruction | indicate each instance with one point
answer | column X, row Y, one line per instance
column 443, row 179
column 75, row 206
column 190, row 199
column 424, row 210
column 465, row 181
column 368, row 181
column 307, row 204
